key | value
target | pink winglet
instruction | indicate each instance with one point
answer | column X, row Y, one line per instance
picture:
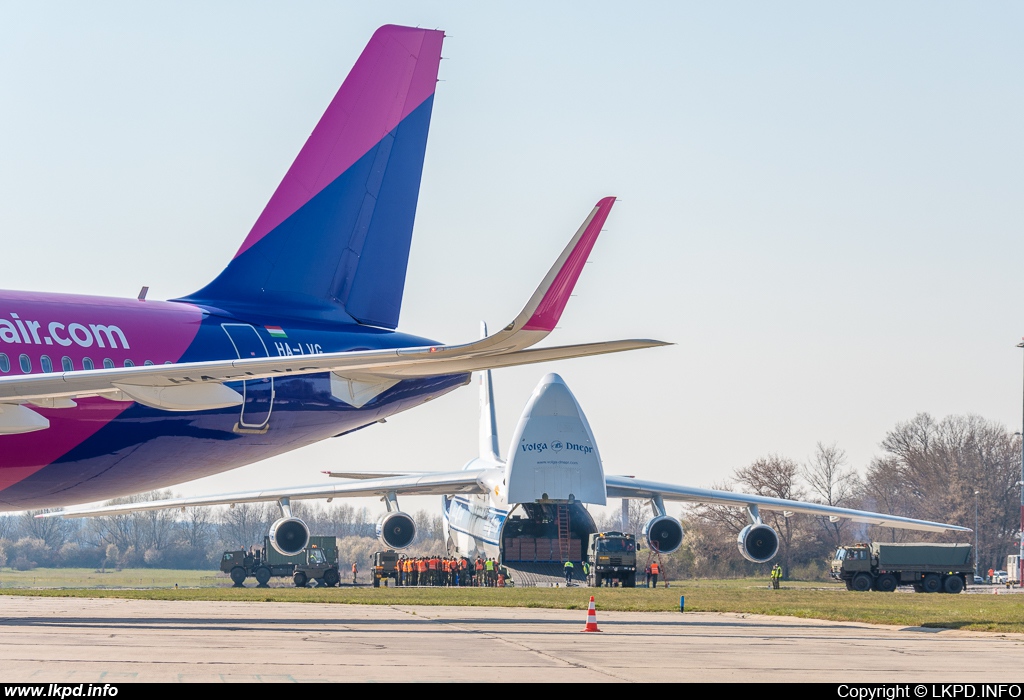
column 396, row 72
column 551, row 306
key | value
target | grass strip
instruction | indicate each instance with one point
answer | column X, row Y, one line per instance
column 985, row 613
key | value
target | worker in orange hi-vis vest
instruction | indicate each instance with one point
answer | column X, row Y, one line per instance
column 355, row 572
column 655, row 570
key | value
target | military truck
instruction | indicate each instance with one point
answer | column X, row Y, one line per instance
column 385, row 566
column 880, row 566
column 318, row 562
column 612, row 559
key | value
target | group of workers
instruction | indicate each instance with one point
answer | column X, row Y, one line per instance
column 448, row 571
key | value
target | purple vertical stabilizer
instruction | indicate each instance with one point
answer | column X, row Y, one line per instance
column 333, row 242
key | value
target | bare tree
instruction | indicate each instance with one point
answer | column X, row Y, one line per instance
column 832, row 482
column 133, row 533
column 55, row 532
column 775, row 476
column 639, row 513
column 195, row 529
column 245, row 524
column 711, row 534
column 936, row 467
column 8, row 527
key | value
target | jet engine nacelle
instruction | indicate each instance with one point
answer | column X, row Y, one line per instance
column 396, row 530
column 758, row 543
column 664, row 534
column 289, row 536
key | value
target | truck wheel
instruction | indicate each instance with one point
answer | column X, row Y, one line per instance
column 263, row 576
column 376, row 581
column 332, row 578
column 629, row 582
column 918, row 588
column 849, row 584
column 299, row 579
column 862, row 582
column 953, row 584
column 886, row 583
column 238, row 576
column 932, row 583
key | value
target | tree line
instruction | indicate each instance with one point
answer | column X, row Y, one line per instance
column 954, row 470
column 929, row 469
column 189, row 538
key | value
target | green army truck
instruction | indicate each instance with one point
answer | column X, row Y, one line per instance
column 385, row 566
column 612, row 559
column 881, row 566
column 317, row 562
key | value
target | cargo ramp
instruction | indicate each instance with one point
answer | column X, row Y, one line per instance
column 541, row 574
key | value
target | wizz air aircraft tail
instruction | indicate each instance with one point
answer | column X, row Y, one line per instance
column 332, row 244
column 292, row 343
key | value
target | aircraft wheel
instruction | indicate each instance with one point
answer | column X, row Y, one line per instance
column 238, row 576
column 263, row 576
column 932, row 583
column 953, row 584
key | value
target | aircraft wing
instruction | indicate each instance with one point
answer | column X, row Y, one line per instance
column 418, row 484
column 628, row 487
column 190, row 386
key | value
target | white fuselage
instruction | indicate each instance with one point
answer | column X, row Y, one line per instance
column 473, row 522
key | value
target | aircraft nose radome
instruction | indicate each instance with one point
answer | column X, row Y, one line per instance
column 551, row 378
column 554, row 398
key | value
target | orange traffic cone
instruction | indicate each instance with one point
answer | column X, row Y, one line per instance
column 591, row 618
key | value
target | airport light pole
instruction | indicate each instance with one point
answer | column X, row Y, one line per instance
column 1020, row 534
column 976, row 492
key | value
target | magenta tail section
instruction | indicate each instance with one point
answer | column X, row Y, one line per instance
column 333, row 242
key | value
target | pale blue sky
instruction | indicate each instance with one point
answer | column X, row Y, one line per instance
column 820, row 201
